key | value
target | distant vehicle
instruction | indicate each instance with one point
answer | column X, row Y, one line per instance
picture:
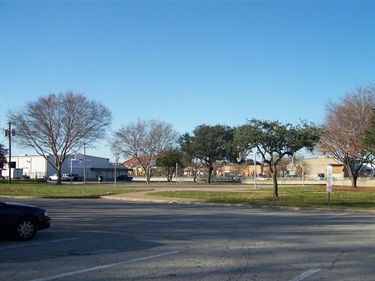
column 239, row 178
column 66, row 177
column 124, row 178
column 22, row 221
column 77, row 177
column 53, row 177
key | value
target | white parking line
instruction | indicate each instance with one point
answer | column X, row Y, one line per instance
column 36, row 244
column 54, row 277
column 305, row 275
column 335, row 216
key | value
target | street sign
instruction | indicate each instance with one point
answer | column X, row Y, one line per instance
column 329, row 179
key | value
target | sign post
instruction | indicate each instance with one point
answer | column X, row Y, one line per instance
column 329, row 180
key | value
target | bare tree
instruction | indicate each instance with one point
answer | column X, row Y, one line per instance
column 144, row 140
column 59, row 124
column 345, row 124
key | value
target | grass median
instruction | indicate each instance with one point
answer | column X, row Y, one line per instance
column 45, row 189
column 296, row 196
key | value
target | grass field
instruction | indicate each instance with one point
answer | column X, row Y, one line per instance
column 41, row 188
column 296, row 196
column 343, row 197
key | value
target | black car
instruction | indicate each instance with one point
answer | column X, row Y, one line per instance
column 22, row 221
column 77, row 177
column 124, row 178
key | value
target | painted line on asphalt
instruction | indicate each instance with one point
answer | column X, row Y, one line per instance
column 63, row 275
column 36, row 244
column 335, row 216
column 305, row 274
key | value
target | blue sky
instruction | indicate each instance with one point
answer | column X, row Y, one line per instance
column 187, row 62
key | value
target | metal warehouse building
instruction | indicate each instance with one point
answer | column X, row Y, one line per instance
column 36, row 166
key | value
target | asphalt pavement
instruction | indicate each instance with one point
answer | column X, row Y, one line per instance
column 101, row 240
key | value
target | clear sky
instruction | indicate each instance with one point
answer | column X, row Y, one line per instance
column 187, row 62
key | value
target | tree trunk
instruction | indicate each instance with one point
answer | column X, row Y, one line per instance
column 210, row 169
column 352, row 175
column 58, row 170
column 195, row 172
column 275, row 186
column 274, row 181
column 170, row 172
column 354, row 182
column 148, row 174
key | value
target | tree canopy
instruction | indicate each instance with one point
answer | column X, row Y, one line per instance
column 369, row 137
column 346, row 123
column 208, row 144
column 274, row 140
column 168, row 159
column 143, row 140
column 60, row 124
column 189, row 158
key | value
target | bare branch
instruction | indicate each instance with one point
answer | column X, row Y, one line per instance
column 345, row 124
column 143, row 139
column 59, row 124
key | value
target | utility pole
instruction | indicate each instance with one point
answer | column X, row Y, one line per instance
column 84, row 162
column 115, row 177
column 9, row 133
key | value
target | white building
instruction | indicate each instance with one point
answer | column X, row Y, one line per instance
column 36, row 166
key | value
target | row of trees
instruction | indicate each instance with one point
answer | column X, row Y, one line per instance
column 60, row 124
column 208, row 144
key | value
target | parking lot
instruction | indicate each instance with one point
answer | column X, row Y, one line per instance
column 94, row 239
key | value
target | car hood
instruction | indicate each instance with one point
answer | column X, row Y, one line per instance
column 19, row 205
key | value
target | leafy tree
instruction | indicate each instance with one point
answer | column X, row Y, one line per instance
column 59, row 124
column 189, row 157
column 3, row 159
column 274, row 140
column 346, row 123
column 168, row 159
column 144, row 140
column 208, row 144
